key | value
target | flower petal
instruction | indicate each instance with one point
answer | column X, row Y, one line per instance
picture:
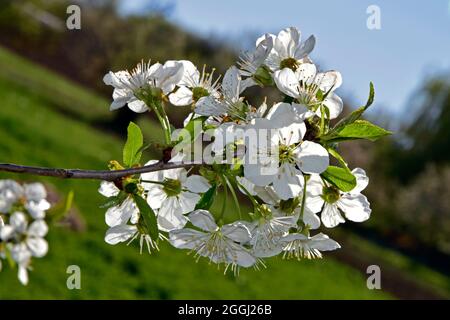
column 37, row 246
column 312, row 157
column 204, row 220
column 196, row 183
column 356, row 207
column 120, row 233
column 108, row 189
column 287, row 82
column 331, row 216
column 362, row 180
column 182, row 97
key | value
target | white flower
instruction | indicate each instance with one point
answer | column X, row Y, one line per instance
column 270, row 197
column 281, row 157
column 173, row 195
column 122, row 213
column 24, row 241
column 299, row 246
column 305, row 83
column 10, row 193
column 193, row 86
column 288, row 51
column 218, row 244
column 267, row 232
column 353, row 204
column 230, row 103
column 129, row 232
column 251, row 62
column 129, row 85
column 32, row 196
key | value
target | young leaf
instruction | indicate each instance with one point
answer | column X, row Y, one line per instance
column 340, row 177
column 338, row 157
column 207, row 199
column 355, row 115
column 148, row 215
column 132, row 150
column 359, row 129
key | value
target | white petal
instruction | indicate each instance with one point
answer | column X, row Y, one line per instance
column 37, row 246
column 362, row 180
column 288, row 183
column 203, row 219
column 188, row 201
column 120, row 214
column 334, row 104
column 248, row 185
column 241, row 256
column 170, row 215
column 6, row 232
column 35, row 191
column 355, row 207
column 306, row 72
column 331, row 216
column 322, row 242
column 156, row 196
column 196, row 183
column 305, row 48
column 23, row 275
column 312, row 157
column 231, row 84
column 120, row 233
column 20, row 253
column 328, row 80
column 38, row 228
column 287, row 82
column 108, row 189
column 292, row 133
column 191, row 75
column 287, row 42
column 137, row 106
column 181, row 97
column 311, row 219
column 237, row 232
column 186, row 238
column 18, row 221
column 209, row 106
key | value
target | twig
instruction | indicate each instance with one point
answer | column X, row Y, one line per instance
column 106, row 175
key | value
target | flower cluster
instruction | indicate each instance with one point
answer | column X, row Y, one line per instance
column 22, row 224
column 278, row 155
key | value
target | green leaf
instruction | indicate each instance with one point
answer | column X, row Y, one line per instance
column 148, row 215
column 359, row 129
column 207, row 199
column 113, row 201
column 338, row 157
column 340, row 177
column 355, row 115
column 132, row 150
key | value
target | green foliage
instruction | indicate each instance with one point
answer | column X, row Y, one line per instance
column 359, row 129
column 207, row 198
column 149, row 216
column 132, row 151
column 342, row 178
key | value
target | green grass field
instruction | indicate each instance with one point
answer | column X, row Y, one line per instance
column 34, row 132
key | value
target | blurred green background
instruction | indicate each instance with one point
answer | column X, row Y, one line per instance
column 54, row 112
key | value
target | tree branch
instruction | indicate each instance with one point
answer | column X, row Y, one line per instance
column 106, row 175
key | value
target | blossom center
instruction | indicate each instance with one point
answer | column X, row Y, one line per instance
column 290, row 63
column 199, row 92
column 172, row 187
column 286, row 154
column 330, row 194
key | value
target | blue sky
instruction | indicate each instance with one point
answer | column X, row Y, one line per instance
column 414, row 40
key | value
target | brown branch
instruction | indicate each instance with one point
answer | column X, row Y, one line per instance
column 106, row 175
